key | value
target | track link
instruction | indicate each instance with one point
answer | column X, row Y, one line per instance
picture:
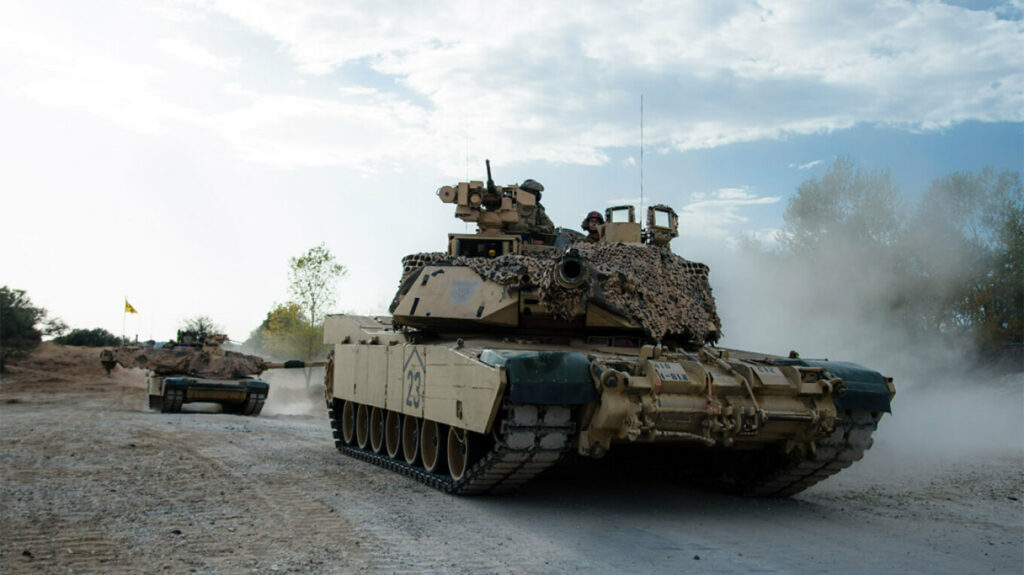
column 527, row 441
column 253, row 404
column 173, row 398
column 832, row 454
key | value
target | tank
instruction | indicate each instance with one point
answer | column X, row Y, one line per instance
column 195, row 368
column 508, row 353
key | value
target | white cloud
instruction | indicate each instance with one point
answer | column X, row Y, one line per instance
column 196, row 55
column 717, row 215
column 766, row 236
column 734, row 194
column 808, row 165
column 294, row 131
column 550, row 83
column 549, row 78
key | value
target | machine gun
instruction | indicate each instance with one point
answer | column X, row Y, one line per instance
column 491, row 207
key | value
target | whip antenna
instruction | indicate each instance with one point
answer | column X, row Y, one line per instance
column 641, row 154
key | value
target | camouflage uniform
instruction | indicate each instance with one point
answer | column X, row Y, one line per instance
column 532, row 219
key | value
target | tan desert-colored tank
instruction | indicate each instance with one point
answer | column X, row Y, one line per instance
column 504, row 354
column 195, row 368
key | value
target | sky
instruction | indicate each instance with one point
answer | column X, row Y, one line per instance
column 177, row 154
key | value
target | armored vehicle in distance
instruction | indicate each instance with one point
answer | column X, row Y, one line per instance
column 503, row 354
column 195, row 368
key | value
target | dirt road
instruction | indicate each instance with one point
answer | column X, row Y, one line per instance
column 91, row 482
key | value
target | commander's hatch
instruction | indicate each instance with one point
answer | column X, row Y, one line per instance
column 662, row 225
column 620, row 225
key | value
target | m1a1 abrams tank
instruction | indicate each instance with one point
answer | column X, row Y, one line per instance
column 503, row 355
column 195, row 368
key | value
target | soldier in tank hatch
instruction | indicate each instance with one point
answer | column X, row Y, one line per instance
column 532, row 219
column 590, row 225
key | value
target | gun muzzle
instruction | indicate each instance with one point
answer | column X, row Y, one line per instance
column 571, row 271
column 293, row 364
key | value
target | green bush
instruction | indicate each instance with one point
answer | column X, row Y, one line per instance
column 18, row 319
column 97, row 337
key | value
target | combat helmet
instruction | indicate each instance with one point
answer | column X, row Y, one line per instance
column 592, row 215
column 532, row 186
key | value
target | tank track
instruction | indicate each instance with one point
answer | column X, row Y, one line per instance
column 527, row 441
column 173, row 398
column 832, row 454
column 767, row 472
column 782, row 476
column 253, row 404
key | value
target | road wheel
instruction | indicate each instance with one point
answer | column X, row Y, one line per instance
column 348, row 422
column 459, row 451
column 411, row 439
column 377, row 430
column 433, row 452
column 363, row 427
column 393, row 434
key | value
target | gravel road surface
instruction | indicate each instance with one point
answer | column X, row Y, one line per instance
column 92, row 482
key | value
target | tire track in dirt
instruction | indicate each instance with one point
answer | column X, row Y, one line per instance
column 51, row 538
column 63, row 554
column 284, row 502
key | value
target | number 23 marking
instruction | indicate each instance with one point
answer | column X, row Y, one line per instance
column 414, row 377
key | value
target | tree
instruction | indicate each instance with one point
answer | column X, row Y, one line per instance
column 287, row 334
column 847, row 205
column 97, row 337
column 19, row 325
column 967, row 244
column 202, row 324
column 953, row 267
column 311, row 281
column 294, row 330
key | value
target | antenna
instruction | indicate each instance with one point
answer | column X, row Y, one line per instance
column 641, row 153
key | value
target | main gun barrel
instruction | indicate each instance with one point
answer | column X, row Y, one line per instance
column 294, row 364
column 571, row 271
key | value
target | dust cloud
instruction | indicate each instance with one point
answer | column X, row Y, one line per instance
column 290, row 394
column 948, row 404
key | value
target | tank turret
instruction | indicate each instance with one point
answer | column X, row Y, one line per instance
column 626, row 284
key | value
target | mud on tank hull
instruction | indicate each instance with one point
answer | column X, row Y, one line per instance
column 486, row 415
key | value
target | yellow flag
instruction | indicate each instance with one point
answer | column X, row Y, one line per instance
column 128, row 307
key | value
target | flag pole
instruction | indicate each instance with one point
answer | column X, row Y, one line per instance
column 124, row 319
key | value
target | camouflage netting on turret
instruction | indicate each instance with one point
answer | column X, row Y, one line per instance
column 659, row 290
column 191, row 361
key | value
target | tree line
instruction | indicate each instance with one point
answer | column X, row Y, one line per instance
column 949, row 264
